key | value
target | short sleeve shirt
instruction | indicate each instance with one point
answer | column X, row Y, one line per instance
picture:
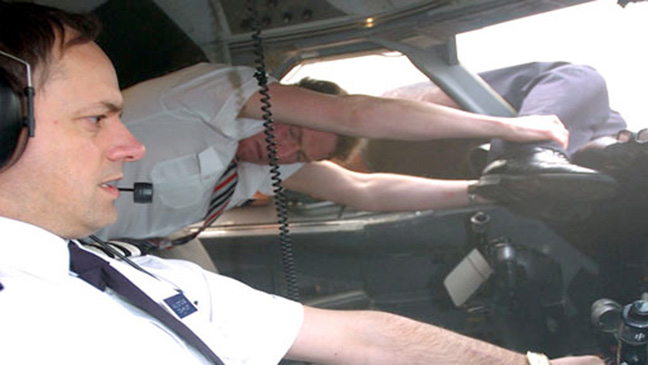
column 50, row 316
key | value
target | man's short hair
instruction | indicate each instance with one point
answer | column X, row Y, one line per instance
column 323, row 86
column 345, row 145
column 30, row 32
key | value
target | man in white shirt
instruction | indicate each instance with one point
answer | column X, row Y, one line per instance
column 196, row 120
column 60, row 187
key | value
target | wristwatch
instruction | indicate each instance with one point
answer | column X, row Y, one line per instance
column 535, row 358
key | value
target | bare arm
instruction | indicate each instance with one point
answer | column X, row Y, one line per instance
column 369, row 337
column 367, row 116
column 379, row 191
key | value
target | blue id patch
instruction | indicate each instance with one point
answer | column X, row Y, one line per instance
column 180, row 305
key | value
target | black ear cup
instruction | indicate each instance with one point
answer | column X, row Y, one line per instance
column 11, row 122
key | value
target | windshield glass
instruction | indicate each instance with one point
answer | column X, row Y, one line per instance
column 600, row 34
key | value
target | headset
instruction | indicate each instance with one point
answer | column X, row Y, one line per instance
column 16, row 115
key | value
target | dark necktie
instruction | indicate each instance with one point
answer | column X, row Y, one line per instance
column 100, row 274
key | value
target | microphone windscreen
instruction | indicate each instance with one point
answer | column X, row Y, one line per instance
column 142, row 192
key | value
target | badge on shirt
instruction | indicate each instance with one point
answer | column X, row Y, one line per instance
column 180, row 305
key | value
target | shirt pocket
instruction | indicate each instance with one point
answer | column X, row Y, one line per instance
column 187, row 181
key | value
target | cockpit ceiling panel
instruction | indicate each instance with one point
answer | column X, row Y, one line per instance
column 210, row 22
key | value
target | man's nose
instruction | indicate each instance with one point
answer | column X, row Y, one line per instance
column 126, row 147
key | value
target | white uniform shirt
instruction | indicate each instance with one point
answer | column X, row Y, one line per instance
column 49, row 316
column 188, row 122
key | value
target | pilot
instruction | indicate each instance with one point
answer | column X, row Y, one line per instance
column 203, row 128
column 219, row 104
column 193, row 120
column 89, row 308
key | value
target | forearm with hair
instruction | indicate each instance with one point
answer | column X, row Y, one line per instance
column 382, row 338
column 418, row 343
column 378, row 191
column 383, row 118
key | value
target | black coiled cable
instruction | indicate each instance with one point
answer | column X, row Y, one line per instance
column 280, row 197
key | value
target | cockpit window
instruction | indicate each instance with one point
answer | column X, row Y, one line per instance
column 364, row 74
column 550, row 36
